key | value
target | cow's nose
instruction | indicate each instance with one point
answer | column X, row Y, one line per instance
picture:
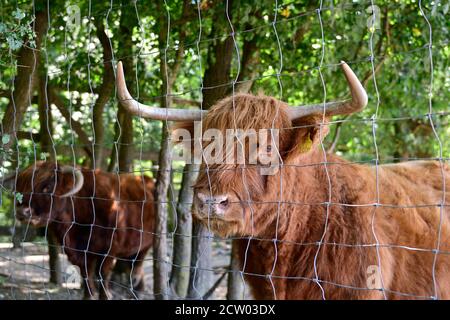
column 216, row 204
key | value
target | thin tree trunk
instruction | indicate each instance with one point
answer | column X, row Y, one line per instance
column 76, row 126
column 249, row 65
column 235, row 281
column 201, row 264
column 24, row 81
column 127, row 23
column 54, row 260
column 217, row 74
column 168, row 75
column 46, row 133
column 114, row 154
column 45, row 118
column 160, row 265
column 179, row 279
column 126, row 141
column 104, row 93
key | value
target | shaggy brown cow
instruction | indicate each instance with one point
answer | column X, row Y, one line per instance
column 95, row 216
column 321, row 227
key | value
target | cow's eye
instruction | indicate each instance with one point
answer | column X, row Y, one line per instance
column 269, row 148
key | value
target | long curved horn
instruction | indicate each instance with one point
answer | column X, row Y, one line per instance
column 78, row 183
column 150, row 112
column 356, row 103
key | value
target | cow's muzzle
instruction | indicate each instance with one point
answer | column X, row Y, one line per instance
column 211, row 206
column 23, row 213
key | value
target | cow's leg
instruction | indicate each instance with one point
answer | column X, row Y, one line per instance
column 138, row 276
column 88, row 274
column 138, row 273
column 121, row 271
column 106, row 267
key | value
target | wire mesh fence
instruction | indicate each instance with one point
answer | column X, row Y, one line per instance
column 99, row 203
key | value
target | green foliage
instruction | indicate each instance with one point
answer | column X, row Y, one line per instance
column 6, row 138
column 17, row 31
column 289, row 42
column 19, row 197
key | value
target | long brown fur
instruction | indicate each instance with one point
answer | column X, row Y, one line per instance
column 110, row 218
column 303, row 240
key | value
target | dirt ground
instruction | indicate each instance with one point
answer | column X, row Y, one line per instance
column 24, row 274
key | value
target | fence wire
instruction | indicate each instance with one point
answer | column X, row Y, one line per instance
column 24, row 263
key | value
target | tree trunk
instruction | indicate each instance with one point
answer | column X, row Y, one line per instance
column 22, row 94
column 45, row 118
column 104, row 94
column 235, row 282
column 249, row 66
column 54, row 260
column 201, row 264
column 126, row 141
column 179, row 279
column 217, row 74
column 127, row 23
column 24, row 81
column 46, row 142
column 168, row 76
column 160, row 265
column 114, row 154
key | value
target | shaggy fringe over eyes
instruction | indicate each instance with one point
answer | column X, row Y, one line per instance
column 242, row 181
column 234, row 113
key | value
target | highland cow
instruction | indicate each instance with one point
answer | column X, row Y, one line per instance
column 320, row 227
column 97, row 218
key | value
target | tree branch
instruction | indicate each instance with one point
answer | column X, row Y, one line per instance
column 250, row 59
column 75, row 125
column 337, row 134
column 369, row 75
column 174, row 70
column 26, row 135
column 104, row 92
column 385, row 35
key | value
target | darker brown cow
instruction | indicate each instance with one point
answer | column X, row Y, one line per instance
column 320, row 226
column 97, row 217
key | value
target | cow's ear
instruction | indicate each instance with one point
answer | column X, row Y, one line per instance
column 306, row 135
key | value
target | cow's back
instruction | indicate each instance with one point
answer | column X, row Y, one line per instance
column 422, row 182
column 415, row 208
column 114, row 215
column 134, row 207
